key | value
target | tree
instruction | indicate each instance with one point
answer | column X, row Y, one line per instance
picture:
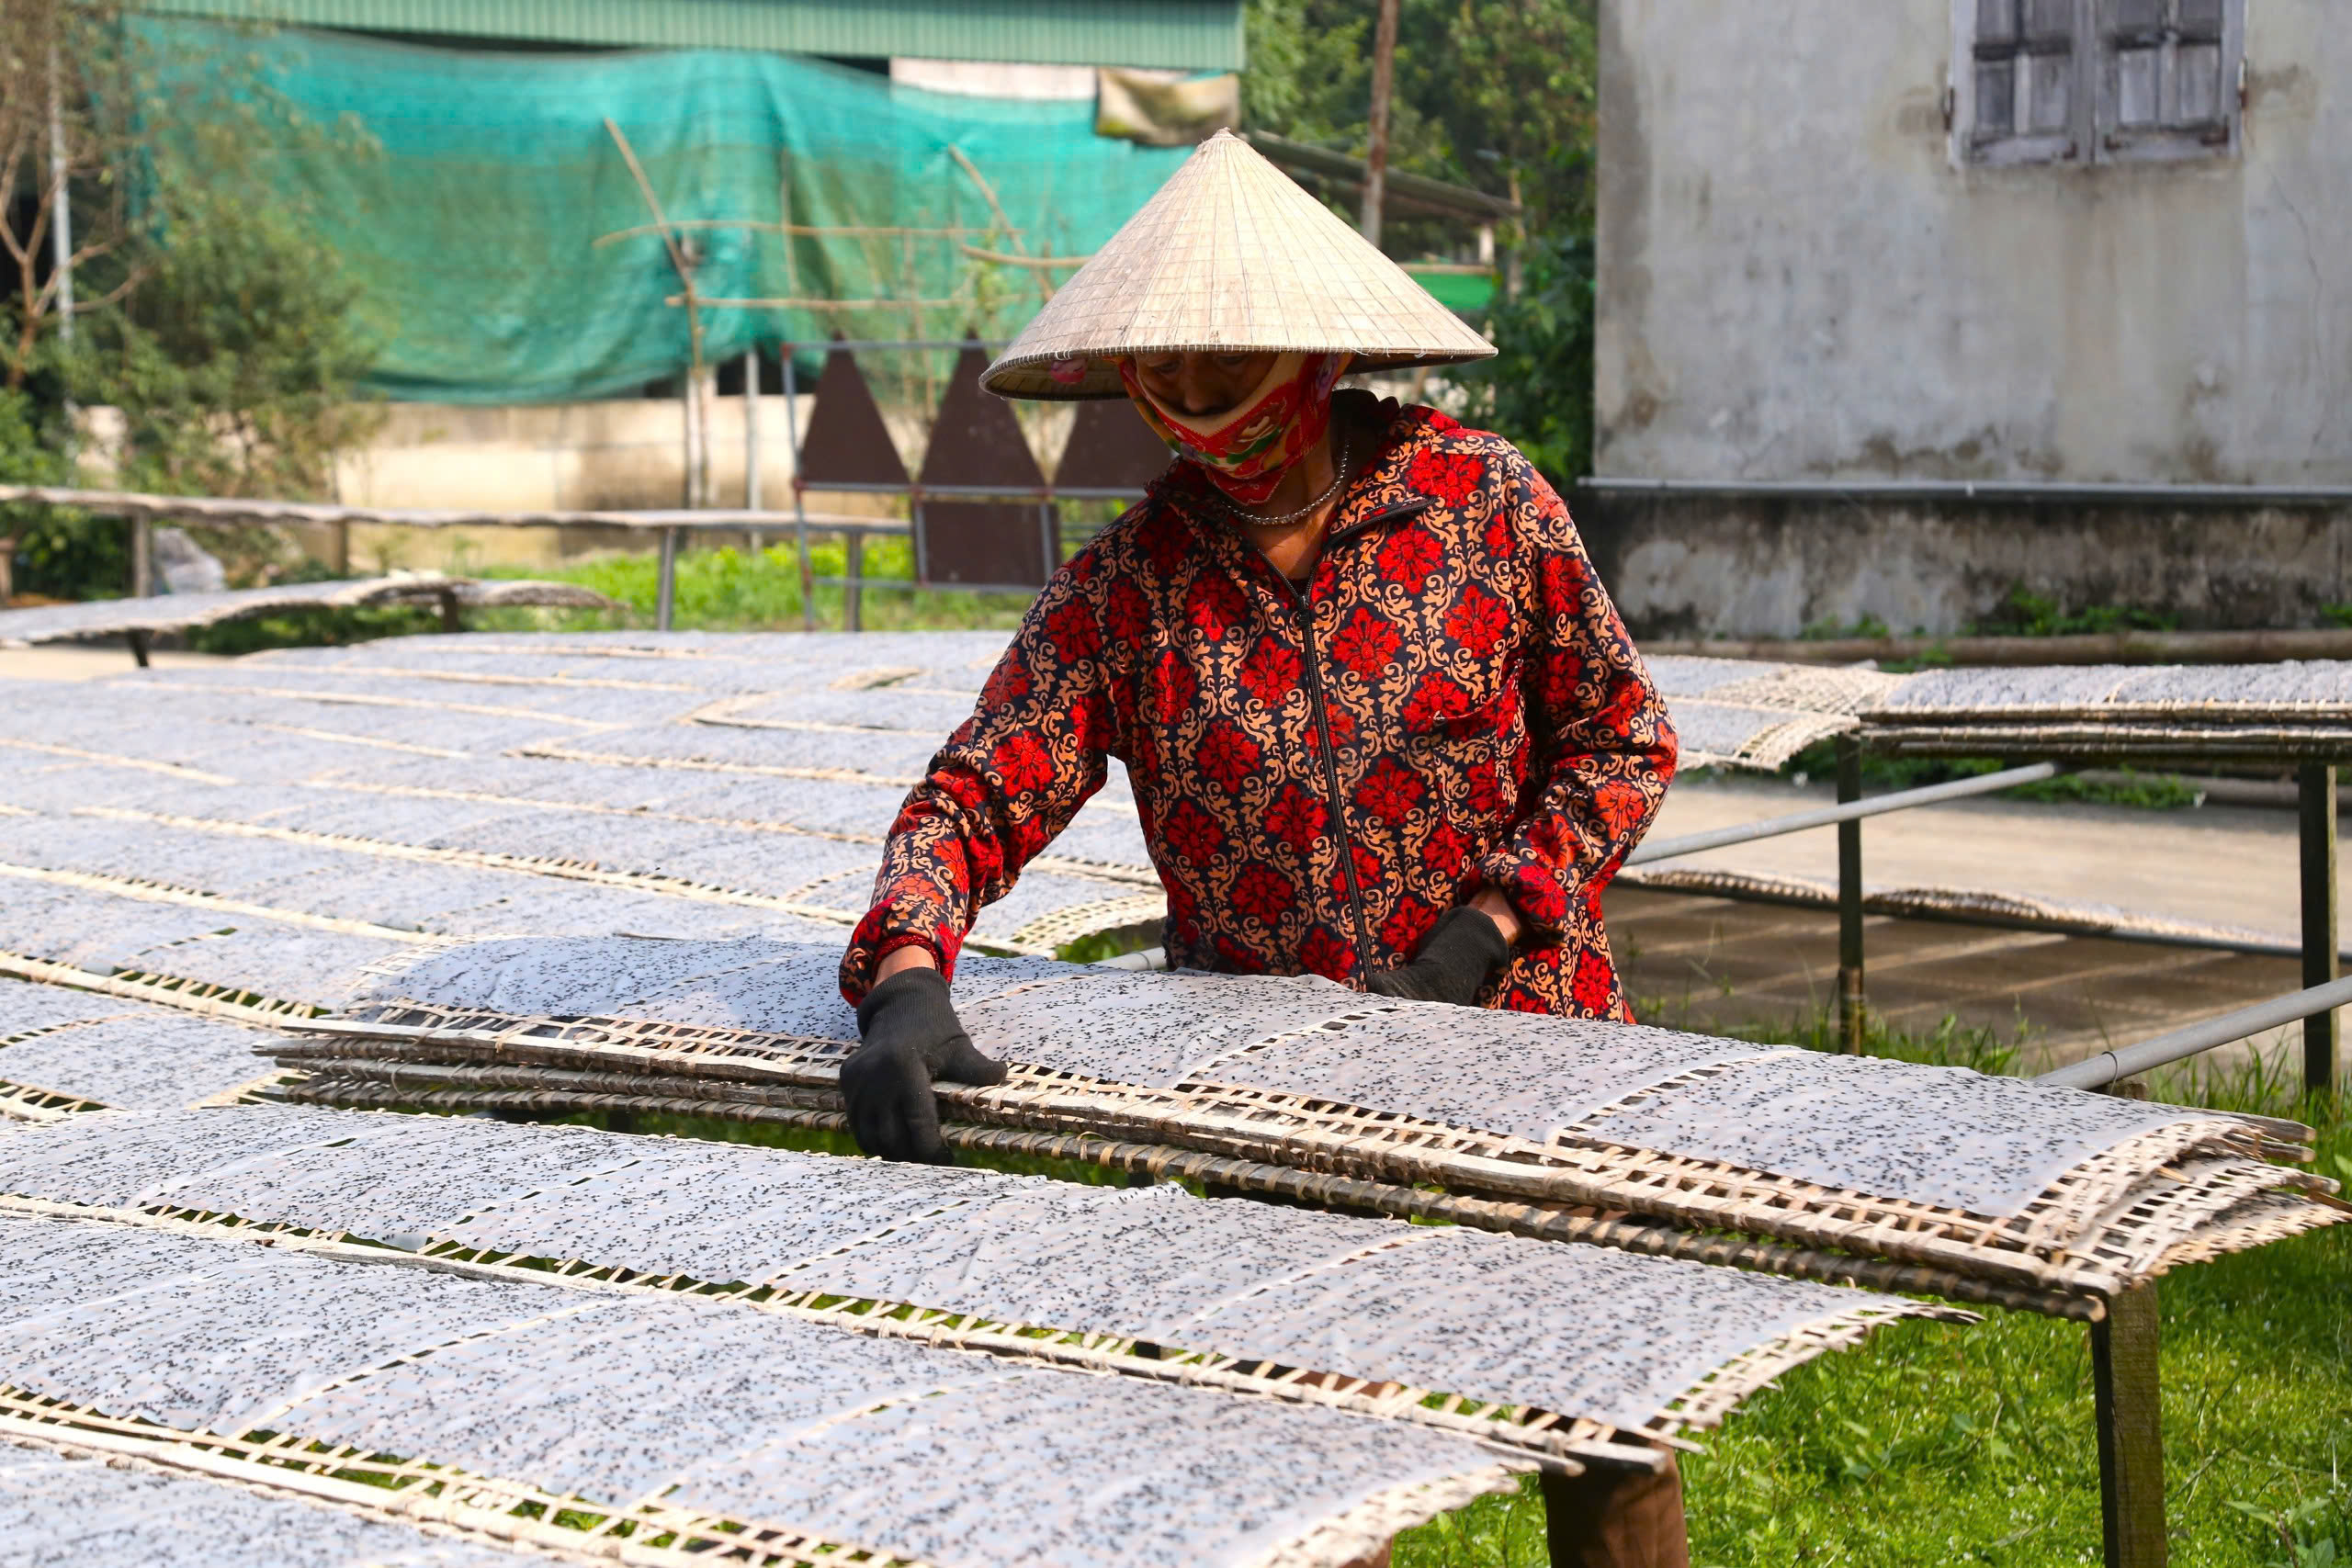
column 1538, row 389
column 1493, row 93
column 226, row 339
column 62, row 91
column 233, row 362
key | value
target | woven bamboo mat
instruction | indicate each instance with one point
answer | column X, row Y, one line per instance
column 2214, row 713
column 1567, row 1351
column 691, row 1424
column 1991, row 1177
column 62, row 1051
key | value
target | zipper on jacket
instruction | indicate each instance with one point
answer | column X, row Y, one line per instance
column 1332, row 775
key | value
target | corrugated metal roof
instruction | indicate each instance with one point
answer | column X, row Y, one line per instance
column 1195, row 35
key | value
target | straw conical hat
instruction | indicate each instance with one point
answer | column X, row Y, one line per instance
column 1229, row 254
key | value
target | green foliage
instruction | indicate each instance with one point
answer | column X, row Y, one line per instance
column 1537, row 391
column 733, row 590
column 235, row 359
column 1834, row 631
column 1110, row 945
column 2151, row 791
column 308, row 627
column 1488, row 92
column 2026, row 614
column 60, row 554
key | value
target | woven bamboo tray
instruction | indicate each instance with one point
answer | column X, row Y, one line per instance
column 1568, row 1355
column 1990, row 1178
column 650, row 1426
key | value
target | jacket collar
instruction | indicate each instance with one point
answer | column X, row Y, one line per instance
column 1379, row 494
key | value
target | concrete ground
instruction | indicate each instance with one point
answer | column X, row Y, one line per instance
column 86, row 661
column 1711, row 963
column 2214, row 866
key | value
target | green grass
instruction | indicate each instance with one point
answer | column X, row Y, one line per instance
column 736, row 591
column 724, row 590
column 2154, row 792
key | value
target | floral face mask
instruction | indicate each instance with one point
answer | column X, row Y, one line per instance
column 1246, row 451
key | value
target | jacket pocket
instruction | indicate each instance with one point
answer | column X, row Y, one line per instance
column 1474, row 758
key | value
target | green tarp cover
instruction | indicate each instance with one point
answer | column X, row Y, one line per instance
column 475, row 229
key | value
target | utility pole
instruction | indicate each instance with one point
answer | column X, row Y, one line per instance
column 1375, row 158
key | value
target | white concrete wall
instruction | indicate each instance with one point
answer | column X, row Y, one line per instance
column 620, row 454
column 625, row 455
column 1797, row 281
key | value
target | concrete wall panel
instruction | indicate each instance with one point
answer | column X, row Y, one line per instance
column 1798, row 280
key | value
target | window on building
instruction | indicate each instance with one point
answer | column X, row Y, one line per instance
column 2095, row 80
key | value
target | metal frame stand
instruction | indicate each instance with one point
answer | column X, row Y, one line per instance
column 2316, row 802
column 1851, row 1002
column 2131, row 1430
column 665, row 590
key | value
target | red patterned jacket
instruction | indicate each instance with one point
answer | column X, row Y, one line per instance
column 1453, row 703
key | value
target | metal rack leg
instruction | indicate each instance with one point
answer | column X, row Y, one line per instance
column 1850, row 901
column 853, row 590
column 2315, row 798
column 665, row 588
column 2131, row 1431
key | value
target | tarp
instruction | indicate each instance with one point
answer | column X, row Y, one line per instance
column 475, row 232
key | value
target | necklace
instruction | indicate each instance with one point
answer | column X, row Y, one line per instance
column 1252, row 519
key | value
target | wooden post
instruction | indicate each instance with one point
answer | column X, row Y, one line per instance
column 690, row 448
column 2131, row 1430
column 665, row 588
column 138, row 641
column 143, row 558
column 453, row 619
column 2315, row 800
column 1375, row 157
column 1850, row 901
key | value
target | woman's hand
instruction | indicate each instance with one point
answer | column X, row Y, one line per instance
column 1462, row 949
column 911, row 1039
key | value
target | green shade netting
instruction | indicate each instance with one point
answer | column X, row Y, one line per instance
column 475, row 230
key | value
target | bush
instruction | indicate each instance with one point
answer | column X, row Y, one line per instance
column 1537, row 391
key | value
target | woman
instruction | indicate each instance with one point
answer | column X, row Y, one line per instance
column 1381, row 720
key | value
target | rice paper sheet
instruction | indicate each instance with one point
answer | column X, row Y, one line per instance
column 952, row 1457
column 1942, row 1136
column 1578, row 1330
column 56, row 1509
column 2219, row 693
column 153, row 1061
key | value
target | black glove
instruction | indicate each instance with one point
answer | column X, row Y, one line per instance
column 1461, row 950
column 910, row 1038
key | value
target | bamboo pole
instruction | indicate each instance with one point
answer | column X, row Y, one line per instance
column 696, row 435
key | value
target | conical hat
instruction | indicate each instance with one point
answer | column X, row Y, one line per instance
column 1230, row 254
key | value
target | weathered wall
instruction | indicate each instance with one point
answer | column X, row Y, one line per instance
column 622, row 455
column 1796, row 281
column 1707, row 566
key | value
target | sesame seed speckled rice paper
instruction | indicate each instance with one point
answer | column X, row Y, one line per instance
column 55, row 1508
column 756, row 1417
column 1581, row 1331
